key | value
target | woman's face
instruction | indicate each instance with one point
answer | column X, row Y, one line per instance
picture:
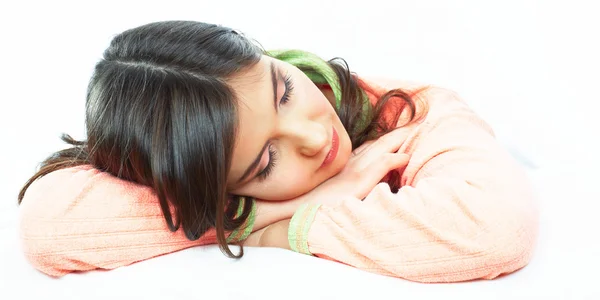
column 289, row 137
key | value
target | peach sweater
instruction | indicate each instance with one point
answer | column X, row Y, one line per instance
column 465, row 211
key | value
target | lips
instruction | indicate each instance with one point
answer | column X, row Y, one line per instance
column 335, row 145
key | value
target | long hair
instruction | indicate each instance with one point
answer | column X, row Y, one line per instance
column 159, row 112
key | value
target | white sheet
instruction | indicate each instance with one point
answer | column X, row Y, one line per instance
column 563, row 267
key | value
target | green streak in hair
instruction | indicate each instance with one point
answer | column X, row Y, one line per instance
column 317, row 69
column 319, row 72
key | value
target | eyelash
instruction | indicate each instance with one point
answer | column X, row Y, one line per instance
column 289, row 87
column 269, row 168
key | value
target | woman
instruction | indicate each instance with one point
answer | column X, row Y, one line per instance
column 188, row 124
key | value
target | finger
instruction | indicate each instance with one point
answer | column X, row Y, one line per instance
column 392, row 138
column 388, row 143
column 378, row 168
column 392, row 161
column 373, row 173
column 363, row 147
column 392, row 141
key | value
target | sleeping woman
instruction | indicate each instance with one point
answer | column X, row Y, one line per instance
column 196, row 136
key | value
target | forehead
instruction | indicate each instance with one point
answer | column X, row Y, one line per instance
column 254, row 94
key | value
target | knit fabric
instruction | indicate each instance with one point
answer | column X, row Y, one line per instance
column 81, row 219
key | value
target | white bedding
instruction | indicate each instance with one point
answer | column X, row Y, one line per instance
column 564, row 267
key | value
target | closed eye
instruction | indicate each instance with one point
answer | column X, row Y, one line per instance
column 262, row 175
column 289, row 87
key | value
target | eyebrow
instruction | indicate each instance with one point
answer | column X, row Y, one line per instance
column 256, row 161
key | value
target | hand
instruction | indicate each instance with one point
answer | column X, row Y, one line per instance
column 368, row 164
column 366, row 167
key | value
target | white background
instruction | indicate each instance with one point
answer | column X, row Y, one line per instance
column 531, row 68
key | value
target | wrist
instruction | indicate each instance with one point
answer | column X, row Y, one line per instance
column 299, row 227
column 276, row 235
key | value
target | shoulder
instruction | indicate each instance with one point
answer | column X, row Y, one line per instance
column 434, row 104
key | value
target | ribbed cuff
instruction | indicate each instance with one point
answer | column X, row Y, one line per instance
column 243, row 231
column 299, row 226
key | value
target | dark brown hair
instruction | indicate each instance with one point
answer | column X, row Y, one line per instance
column 159, row 112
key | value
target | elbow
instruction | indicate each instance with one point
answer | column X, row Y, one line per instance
column 508, row 242
column 50, row 249
column 45, row 225
column 497, row 249
column 500, row 243
column 39, row 250
column 493, row 253
column 513, row 253
column 507, row 233
column 49, row 244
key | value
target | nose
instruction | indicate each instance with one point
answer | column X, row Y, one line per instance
column 309, row 137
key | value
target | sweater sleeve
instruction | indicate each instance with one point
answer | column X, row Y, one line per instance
column 81, row 219
column 465, row 209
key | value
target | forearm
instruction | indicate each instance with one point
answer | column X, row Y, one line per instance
column 106, row 235
column 274, row 235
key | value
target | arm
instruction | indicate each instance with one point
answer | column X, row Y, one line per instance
column 464, row 212
column 81, row 219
